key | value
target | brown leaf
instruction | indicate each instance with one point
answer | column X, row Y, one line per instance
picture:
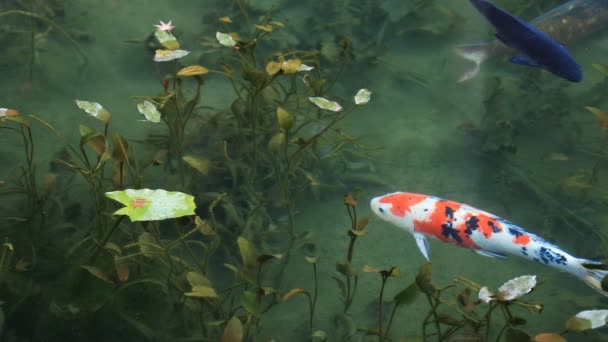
column 350, row 200
column 363, row 223
column 549, row 337
column 22, row 265
column 292, row 293
column 122, row 269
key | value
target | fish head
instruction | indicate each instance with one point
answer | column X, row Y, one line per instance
column 397, row 208
column 566, row 68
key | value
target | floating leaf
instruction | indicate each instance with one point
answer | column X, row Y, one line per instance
column 149, row 111
column 193, row 70
column 292, row 293
column 225, row 39
column 291, row 66
column 233, row 331
column 311, row 260
column 266, row 28
column 148, row 245
column 304, row 67
column 8, row 112
column 166, row 39
column 153, row 205
column 485, row 295
column 585, row 320
column 95, row 110
column 201, row 164
column 169, row 55
column 324, row 103
column 97, row 273
column 225, row 19
column 362, row 97
column 516, row 287
column 549, row 337
column 202, row 292
column 284, row 118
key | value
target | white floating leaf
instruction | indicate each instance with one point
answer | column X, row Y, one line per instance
column 169, row 55
column 362, row 96
column 153, row 205
column 304, row 67
column 326, row 104
column 94, row 109
column 166, row 39
column 597, row 318
column 148, row 110
column 225, row 39
column 485, row 295
column 516, row 287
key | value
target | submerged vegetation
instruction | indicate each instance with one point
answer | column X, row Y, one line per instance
column 192, row 232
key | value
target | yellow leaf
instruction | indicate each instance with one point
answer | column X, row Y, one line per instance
column 201, row 164
column 197, row 279
column 370, row 269
column 202, row 292
column 203, row 226
column 233, row 331
column 291, row 66
column 284, row 118
column 276, row 142
column 193, row 70
column 225, row 19
column 267, row 28
column 273, row 67
column 277, row 23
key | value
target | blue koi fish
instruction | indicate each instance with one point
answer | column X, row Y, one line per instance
column 538, row 49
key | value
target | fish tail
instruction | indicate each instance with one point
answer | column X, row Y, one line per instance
column 595, row 274
column 476, row 53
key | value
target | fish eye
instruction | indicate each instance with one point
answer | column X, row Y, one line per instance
column 381, row 210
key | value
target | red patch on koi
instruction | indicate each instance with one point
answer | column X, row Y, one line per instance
column 522, row 240
column 402, row 202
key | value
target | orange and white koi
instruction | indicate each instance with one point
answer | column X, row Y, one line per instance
column 484, row 233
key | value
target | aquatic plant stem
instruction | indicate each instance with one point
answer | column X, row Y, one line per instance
column 82, row 54
column 384, row 276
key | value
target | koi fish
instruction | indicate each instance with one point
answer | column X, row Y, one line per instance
column 484, row 233
column 566, row 24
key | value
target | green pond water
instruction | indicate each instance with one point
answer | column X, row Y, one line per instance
column 514, row 141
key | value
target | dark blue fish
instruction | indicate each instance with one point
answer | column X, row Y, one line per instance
column 537, row 48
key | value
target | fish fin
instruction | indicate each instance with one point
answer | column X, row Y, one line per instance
column 501, row 38
column 476, row 53
column 595, row 272
column 521, row 60
column 423, row 244
column 490, row 254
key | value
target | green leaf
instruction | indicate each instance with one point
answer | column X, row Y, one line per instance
column 202, row 291
column 148, row 245
column 250, row 302
column 153, row 205
column 149, row 111
column 408, row 295
column 139, row 326
column 197, row 279
column 233, row 331
column 324, row 103
column 248, row 252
